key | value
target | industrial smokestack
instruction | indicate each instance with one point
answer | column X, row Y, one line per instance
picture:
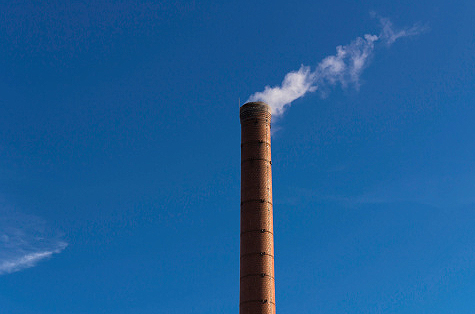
column 257, row 285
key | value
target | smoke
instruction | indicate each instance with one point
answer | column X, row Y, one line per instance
column 25, row 240
column 345, row 68
column 389, row 35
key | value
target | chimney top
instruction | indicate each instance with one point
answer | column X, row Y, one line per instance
column 255, row 110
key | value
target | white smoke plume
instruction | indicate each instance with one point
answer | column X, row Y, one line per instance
column 24, row 241
column 345, row 67
column 389, row 35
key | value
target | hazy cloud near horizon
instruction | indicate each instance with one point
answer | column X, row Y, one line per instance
column 345, row 67
column 25, row 240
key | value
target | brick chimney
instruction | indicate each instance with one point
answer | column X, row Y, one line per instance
column 257, row 286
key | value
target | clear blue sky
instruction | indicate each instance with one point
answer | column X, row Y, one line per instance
column 120, row 157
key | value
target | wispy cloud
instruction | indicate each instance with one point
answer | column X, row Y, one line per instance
column 447, row 190
column 345, row 68
column 389, row 34
column 450, row 190
column 25, row 240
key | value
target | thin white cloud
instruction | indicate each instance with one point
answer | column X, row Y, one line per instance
column 25, row 241
column 345, row 68
column 434, row 190
column 389, row 34
column 26, row 261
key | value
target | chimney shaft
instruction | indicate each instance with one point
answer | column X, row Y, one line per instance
column 257, row 287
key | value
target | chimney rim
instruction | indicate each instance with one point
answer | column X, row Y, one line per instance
column 255, row 110
column 258, row 105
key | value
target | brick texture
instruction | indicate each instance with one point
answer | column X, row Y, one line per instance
column 257, row 283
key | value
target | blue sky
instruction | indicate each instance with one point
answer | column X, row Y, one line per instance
column 120, row 162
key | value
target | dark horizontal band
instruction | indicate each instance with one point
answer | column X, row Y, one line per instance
column 251, row 159
column 256, row 200
column 256, row 141
column 258, row 275
column 257, row 231
column 257, row 253
column 258, row 301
